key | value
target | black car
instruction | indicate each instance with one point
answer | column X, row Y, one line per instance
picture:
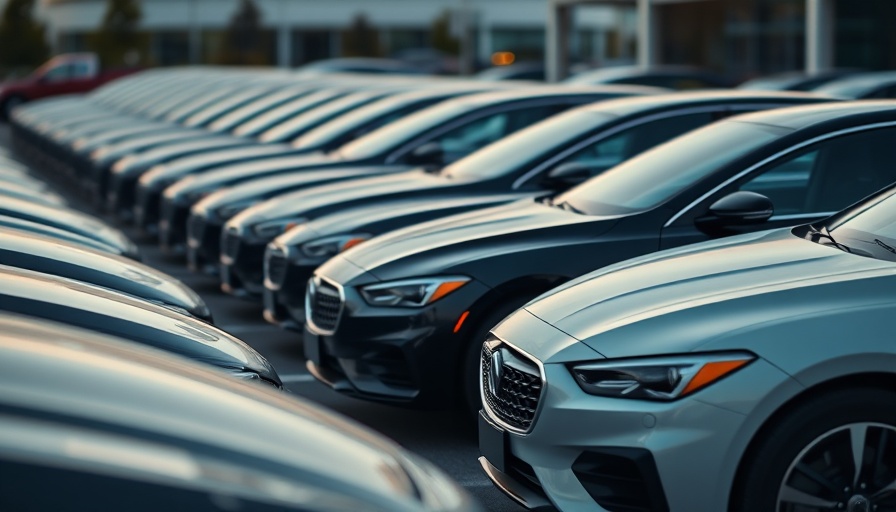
column 545, row 159
column 118, row 155
column 69, row 220
column 92, row 422
column 429, row 138
column 325, row 138
column 402, row 317
column 122, row 194
column 106, row 311
column 56, row 257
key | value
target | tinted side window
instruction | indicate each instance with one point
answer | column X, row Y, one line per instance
column 481, row 132
column 611, row 151
column 830, row 175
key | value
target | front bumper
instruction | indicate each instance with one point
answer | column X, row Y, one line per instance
column 406, row 356
column 593, row 453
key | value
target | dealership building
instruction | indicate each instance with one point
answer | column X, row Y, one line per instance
column 741, row 38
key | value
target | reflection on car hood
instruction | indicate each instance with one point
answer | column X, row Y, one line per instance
column 682, row 287
column 257, row 167
column 272, row 439
column 103, row 310
column 185, row 165
column 55, row 257
column 382, row 215
column 449, row 244
column 337, row 195
column 280, row 184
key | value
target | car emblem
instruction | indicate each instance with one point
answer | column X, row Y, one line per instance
column 496, row 371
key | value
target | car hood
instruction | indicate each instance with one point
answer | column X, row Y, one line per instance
column 68, row 220
column 255, row 438
column 321, row 199
column 262, row 189
column 55, row 257
column 183, row 148
column 619, row 309
column 186, row 165
column 388, row 214
column 247, row 170
column 138, row 142
column 103, row 310
column 492, row 245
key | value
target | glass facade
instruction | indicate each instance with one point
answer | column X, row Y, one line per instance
column 747, row 38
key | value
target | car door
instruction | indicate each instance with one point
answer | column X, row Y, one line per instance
column 805, row 183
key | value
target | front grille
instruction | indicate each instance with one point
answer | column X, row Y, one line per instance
column 230, row 245
column 517, row 388
column 167, row 206
column 196, row 227
column 326, row 305
column 275, row 266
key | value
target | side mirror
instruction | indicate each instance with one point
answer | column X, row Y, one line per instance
column 740, row 208
column 567, row 175
column 431, row 154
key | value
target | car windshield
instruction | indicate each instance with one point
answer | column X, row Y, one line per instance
column 660, row 174
column 383, row 140
column 352, row 121
column 521, row 148
column 868, row 230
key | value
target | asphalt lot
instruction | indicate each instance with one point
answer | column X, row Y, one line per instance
column 444, row 438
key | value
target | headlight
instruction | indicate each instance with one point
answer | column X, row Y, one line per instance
column 123, row 163
column 667, row 378
column 275, row 228
column 412, row 292
column 331, row 246
column 229, row 210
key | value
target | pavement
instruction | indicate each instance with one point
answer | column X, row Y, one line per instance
column 445, row 438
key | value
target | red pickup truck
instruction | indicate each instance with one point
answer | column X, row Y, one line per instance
column 64, row 74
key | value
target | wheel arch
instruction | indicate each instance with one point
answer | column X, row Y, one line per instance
column 869, row 380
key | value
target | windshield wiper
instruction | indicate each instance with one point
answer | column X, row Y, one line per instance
column 568, row 207
column 824, row 233
column 884, row 245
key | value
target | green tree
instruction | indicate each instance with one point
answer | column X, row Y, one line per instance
column 22, row 40
column 119, row 42
column 361, row 39
column 245, row 40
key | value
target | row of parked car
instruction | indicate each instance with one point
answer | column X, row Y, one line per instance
column 493, row 247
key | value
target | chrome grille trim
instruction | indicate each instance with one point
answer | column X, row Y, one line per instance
column 324, row 303
column 517, row 402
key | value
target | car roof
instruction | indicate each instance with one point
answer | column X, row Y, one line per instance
column 845, row 113
column 635, row 105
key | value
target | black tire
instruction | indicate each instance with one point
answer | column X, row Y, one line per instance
column 471, row 401
column 810, row 430
column 9, row 104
